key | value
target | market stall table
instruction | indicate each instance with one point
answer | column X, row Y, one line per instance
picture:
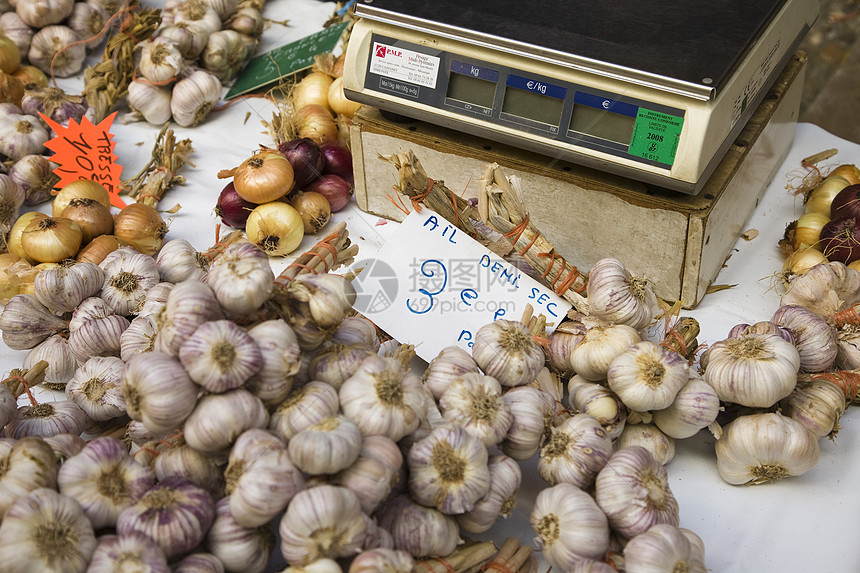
column 800, row 524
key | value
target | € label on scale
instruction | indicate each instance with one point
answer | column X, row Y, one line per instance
column 433, row 286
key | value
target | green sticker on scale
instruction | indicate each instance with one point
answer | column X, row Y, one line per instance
column 656, row 135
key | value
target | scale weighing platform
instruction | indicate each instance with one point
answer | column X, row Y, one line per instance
column 652, row 91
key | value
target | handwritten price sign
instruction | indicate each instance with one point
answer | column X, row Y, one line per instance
column 434, row 286
column 85, row 151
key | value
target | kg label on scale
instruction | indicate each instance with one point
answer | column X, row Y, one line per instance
column 656, row 136
column 406, row 65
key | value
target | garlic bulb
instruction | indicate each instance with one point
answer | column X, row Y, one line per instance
column 420, row 531
column 599, row 402
column 304, row 407
column 131, row 552
column 322, row 521
column 156, row 299
column 241, row 278
column 696, row 406
column 189, row 37
column 174, row 513
column 46, row 531
column 814, row 337
column 160, row 61
column 383, row 397
column 89, row 308
column 665, row 547
column 450, row 363
column 47, row 419
column 335, row 363
column 374, row 472
column 647, row 376
column 650, row 437
column 138, row 338
column 245, row 549
column 64, row 287
column 34, row 174
column 53, row 49
column 505, row 479
column 180, row 460
column 756, row 370
column 104, row 479
column 280, row 361
column 179, row 261
column 11, row 199
column 848, row 347
column 199, row 562
column 16, row 29
column 633, row 491
column 65, row 445
column 824, row 289
column 225, row 54
column 61, row 361
column 21, row 135
column 96, row 386
column 8, row 406
column 599, row 347
column 41, row 13
column 576, row 450
column 197, row 11
column 193, row 97
column 189, row 304
column 474, row 402
column 448, row 470
column 505, row 350
column 315, row 305
column 817, row 404
column 98, row 337
column 357, row 330
column 616, row 297
column 151, row 102
column 570, row 526
column 28, row 463
column 129, row 274
column 158, row 391
column 759, row 448
column 218, row 419
column 326, row 447
column 88, row 20
column 261, row 478
column 220, row 356
column 382, row 560
column 533, row 411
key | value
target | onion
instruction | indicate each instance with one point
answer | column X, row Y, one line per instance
column 141, row 227
column 820, row 198
column 314, row 209
column 306, row 158
column 334, row 188
column 312, row 90
column 317, row 123
column 231, row 208
column 846, row 203
column 80, row 189
column 807, row 229
column 849, row 171
column 338, row 160
column 338, row 102
column 100, row 247
column 840, row 239
column 265, row 176
column 93, row 217
column 275, row 227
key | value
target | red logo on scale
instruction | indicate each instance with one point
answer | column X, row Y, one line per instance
column 380, row 51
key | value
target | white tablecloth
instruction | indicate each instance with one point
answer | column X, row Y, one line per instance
column 804, row 524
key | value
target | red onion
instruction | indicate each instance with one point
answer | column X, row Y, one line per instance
column 334, row 188
column 846, row 203
column 232, row 209
column 306, row 158
column 338, row 160
column 840, row 239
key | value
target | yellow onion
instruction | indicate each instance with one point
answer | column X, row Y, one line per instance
column 141, row 227
column 338, row 102
column 100, row 247
column 317, row 123
column 849, row 171
column 314, row 209
column 13, row 241
column 801, row 260
column 10, row 55
column 82, row 188
column 51, row 239
column 275, row 227
column 31, row 76
column 11, row 89
column 312, row 90
column 265, row 176
column 93, row 217
column 15, row 272
column 807, row 229
column 819, row 199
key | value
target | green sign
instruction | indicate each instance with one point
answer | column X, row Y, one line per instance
column 268, row 68
column 656, row 135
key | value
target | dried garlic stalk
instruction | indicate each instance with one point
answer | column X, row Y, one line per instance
column 168, row 157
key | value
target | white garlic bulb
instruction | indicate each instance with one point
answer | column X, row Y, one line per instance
column 633, row 491
column 450, row 363
column 181, row 460
column 576, row 450
column 817, row 403
column 814, row 337
column 89, row 308
column 138, row 338
column 218, row 419
column 220, row 356
column 616, row 297
column 21, row 135
column 47, row 419
column 98, row 337
column 374, row 472
column 53, row 49
column 197, row 11
column 650, row 437
column 158, row 391
column 59, row 356
column 160, row 61
column 448, row 470
column 239, row 548
column 280, row 361
column 225, row 54
column 151, row 102
column 505, row 479
column 825, row 289
column 96, row 386
column 304, row 407
column 326, row 447
column 474, row 401
column 241, row 277
column 599, row 347
column 189, row 304
column 261, row 478
column 759, row 448
column 569, row 525
column 133, row 551
column 29, row 464
column 647, row 376
column 193, row 98
column 179, row 261
column 322, row 521
column 665, row 547
column 48, row 532
column 382, row 560
column 41, row 13
column 598, row 401
column 533, row 411
column 65, row 286
column 189, row 37
column 156, row 299
column 129, row 274
column 696, row 406
column 419, row 530
column 505, row 350
column 755, row 370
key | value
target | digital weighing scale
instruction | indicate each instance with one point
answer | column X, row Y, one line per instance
column 653, row 91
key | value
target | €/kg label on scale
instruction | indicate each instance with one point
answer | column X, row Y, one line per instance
column 406, row 65
column 656, row 135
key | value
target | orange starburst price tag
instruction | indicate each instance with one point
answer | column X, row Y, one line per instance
column 85, row 151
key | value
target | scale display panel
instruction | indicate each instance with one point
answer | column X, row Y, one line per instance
column 652, row 91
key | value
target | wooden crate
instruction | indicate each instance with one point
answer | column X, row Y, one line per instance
column 678, row 242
